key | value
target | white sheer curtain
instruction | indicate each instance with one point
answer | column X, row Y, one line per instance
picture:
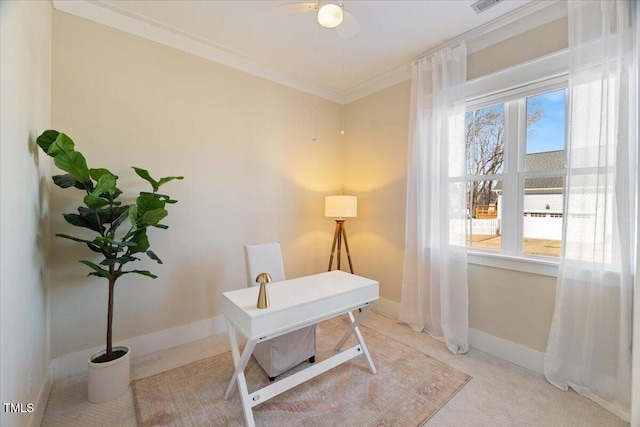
column 589, row 345
column 434, row 283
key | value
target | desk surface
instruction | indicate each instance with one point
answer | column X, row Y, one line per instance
column 297, row 302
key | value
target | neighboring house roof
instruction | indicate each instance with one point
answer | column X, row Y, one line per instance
column 546, row 184
column 546, row 161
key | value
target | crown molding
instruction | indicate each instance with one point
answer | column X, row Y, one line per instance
column 113, row 17
column 525, row 18
column 478, row 38
column 378, row 83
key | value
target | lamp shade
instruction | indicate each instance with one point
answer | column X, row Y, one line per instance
column 341, row 206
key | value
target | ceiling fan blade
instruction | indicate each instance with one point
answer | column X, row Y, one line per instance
column 298, row 7
column 349, row 26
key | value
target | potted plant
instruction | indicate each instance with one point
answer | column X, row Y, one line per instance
column 120, row 237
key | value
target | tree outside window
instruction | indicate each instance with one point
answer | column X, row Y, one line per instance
column 538, row 167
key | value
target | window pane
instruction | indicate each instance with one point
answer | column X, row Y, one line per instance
column 483, row 214
column 545, row 131
column 542, row 222
column 485, row 140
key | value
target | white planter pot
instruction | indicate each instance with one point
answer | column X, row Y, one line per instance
column 110, row 379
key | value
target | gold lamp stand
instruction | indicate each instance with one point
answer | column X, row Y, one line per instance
column 338, row 236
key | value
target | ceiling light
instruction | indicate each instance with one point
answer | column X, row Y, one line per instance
column 330, row 15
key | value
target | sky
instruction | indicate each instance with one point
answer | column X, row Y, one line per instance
column 547, row 134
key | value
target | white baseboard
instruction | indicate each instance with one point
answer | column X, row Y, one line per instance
column 73, row 364
column 517, row 354
column 76, row 363
column 388, row 307
column 40, row 402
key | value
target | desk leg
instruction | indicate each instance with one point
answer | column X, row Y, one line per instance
column 233, row 342
column 355, row 322
column 246, row 402
column 239, row 362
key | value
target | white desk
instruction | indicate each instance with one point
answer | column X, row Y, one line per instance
column 295, row 303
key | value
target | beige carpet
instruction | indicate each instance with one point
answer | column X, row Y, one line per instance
column 407, row 390
column 501, row 394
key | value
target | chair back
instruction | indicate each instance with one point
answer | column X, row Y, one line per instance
column 264, row 258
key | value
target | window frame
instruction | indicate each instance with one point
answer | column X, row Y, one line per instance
column 511, row 87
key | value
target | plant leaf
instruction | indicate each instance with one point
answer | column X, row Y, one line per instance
column 147, row 202
column 162, row 197
column 69, row 160
column 80, row 221
column 164, row 227
column 91, row 216
column 94, row 202
column 153, row 217
column 141, row 241
column 168, row 179
column 133, row 216
column 47, row 139
column 154, row 257
column 94, row 246
column 144, row 174
column 65, row 181
column 84, row 186
column 120, row 260
column 98, row 271
column 116, row 212
column 142, row 272
column 115, row 223
column 62, row 144
column 117, row 192
column 75, row 239
column 106, row 185
column 98, row 172
column 106, row 216
column 112, row 243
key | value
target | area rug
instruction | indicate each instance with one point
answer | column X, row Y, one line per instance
column 407, row 390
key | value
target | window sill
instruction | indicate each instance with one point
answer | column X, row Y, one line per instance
column 542, row 266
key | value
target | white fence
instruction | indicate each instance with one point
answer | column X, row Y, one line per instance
column 483, row 226
column 543, row 226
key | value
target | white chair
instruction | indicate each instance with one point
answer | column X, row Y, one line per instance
column 282, row 353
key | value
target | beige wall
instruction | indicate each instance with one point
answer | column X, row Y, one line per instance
column 543, row 40
column 375, row 171
column 513, row 305
column 508, row 304
column 252, row 174
column 25, row 110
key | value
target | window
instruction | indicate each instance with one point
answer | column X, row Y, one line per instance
column 516, row 157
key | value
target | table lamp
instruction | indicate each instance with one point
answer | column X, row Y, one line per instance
column 340, row 208
column 263, row 296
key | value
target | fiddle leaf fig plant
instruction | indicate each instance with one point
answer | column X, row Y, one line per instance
column 120, row 230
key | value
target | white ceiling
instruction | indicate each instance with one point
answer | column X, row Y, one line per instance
column 268, row 40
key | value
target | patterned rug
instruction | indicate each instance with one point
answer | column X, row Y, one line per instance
column 407, row 390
